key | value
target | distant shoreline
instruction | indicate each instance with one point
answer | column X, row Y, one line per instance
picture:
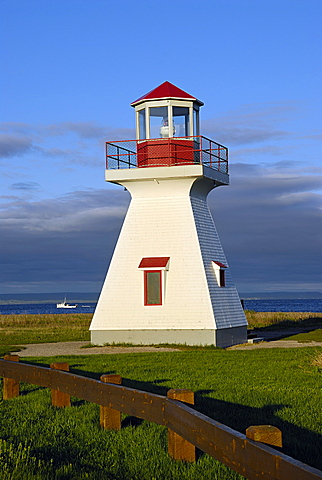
column 81, row 297
column 42, row 302
column 43, row 298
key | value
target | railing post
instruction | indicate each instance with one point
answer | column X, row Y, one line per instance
column 10, row 386
column 178, row 447
column 265, row 434
column 58, row 398
column 110, row 419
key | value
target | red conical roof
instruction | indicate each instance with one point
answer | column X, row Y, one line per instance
column 166, row 90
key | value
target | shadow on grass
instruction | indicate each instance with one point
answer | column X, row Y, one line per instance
column 287, row 328
column 130, row 421
column 7, row 349
column 298, row 442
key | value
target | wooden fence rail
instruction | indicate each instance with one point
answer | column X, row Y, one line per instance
column 250, row 458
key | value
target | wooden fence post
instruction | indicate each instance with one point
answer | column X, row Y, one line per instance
column 178, row 447
column 110, row 419
column 58, row 398
column 10, row 386
column 265, row 434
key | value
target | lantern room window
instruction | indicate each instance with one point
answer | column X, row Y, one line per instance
column 159, row 122
column 196, row 122
column 142, row 124
column 181, row 121
column 167, row 120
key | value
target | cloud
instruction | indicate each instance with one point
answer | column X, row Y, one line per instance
column 54, row 140
column 268, row 223
column 65, row 240
column 267, row 220
column 12, row 145
column 250, row 124
column 88, row 131
column 25, row 186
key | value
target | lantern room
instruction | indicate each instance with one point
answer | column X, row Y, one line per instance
column 167, row 135
column 166, row 112
column 167, row 127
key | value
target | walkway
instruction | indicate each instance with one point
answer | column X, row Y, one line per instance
column 77, row 348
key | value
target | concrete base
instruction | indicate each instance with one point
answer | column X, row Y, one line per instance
column 225, row 337
column 255, row 340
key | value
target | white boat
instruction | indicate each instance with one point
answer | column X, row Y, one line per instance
column 64, row 304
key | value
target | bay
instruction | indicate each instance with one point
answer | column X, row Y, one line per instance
column 280, row 305
column 257, row 305
column 44, row 308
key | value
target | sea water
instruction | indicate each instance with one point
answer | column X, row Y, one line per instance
column 279, row 305
column 258, row 305
column 44, row 308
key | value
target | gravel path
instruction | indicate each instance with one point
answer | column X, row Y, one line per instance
column 75, row 348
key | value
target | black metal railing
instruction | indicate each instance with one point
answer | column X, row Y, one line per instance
column 166, row 152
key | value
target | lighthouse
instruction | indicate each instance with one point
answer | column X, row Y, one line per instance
column 168, row 280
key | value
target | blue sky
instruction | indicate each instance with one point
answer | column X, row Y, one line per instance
column 69, row 71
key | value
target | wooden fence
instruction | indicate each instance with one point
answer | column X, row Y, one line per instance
column 188, row 429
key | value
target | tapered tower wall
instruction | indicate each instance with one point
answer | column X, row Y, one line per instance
column 168, row 217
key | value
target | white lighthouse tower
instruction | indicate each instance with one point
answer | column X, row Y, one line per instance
column 168, row 280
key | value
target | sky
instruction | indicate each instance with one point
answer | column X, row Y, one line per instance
column 69, row 71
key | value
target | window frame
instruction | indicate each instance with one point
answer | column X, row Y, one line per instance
column 146, row 293
column 154, row 264
column 144, row 108
column 220, row 273
column 222, row 277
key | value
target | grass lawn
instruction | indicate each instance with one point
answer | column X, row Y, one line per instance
column 280, row 387
column 283, row 320
column 16, row 330
column 314, row 335
column 23, row 329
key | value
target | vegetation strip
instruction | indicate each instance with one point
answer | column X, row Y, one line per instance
column 49, row 328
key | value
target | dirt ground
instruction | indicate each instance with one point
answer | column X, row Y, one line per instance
column 77, row 348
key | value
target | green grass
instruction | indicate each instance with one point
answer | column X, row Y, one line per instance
column 6, row 349
column 290, row 322
column 283, row 320
column 24, row 329
column 314, row 335
column 280, row 387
